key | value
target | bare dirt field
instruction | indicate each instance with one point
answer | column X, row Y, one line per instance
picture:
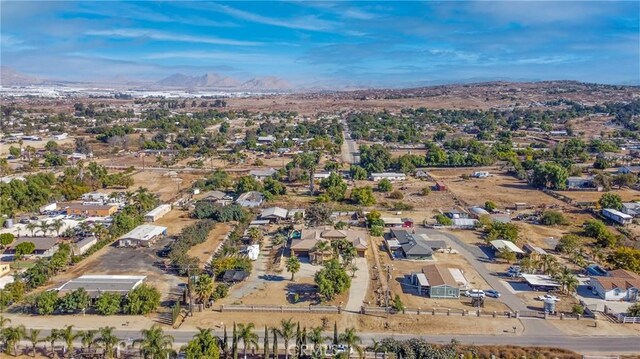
column 502, row 189
column 204, row 251
column 626, row 194
column 165, row 184
column 175, row 221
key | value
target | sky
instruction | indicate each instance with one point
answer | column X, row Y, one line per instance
column 338, row 43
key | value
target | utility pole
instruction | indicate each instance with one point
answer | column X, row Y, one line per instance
column 189, row 291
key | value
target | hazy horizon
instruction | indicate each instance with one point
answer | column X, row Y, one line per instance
column 377, row 44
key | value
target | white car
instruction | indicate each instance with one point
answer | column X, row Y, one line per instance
column 475, row 293
column 549, row 296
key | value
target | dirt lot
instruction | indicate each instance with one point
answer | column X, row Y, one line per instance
column 165, row 184
column 626, row 194
column 175, row 221
column 203, row 251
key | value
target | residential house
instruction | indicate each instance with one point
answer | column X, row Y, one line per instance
column 437, row 282
column 391, row 176
column 95, row 197
column 454, row 213
column 397, row 222
column 414, row 244
column 274, row 214
column 534, row 252
column 617, row 216
column 310, row 237
column 266, row 140
column 91, row 210
column 261, row 175
column 619, row 284
column 142, row 236
column 321, row 175
column 631, row 208
column 250, row 199
column 157, row 213
column 45, row 246
column 218, row 197
column 82, row 246
column 499, row 244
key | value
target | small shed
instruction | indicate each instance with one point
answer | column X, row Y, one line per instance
column 157, row 213
column 499, row 244
column 440, row 186
column 234, row 276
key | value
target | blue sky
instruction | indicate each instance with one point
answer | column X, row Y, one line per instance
column 325, row 43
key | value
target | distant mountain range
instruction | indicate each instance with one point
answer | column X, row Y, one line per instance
column 10, row 77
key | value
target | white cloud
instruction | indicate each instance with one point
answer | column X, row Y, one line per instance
column 165, row 36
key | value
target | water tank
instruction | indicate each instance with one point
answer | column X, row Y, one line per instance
column 8, row 223
column 549, row 305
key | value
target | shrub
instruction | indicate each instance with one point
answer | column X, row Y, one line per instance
column 490, row 206
column 577, row 309
column 377, row 231
column 444, row 220
column 550, row 218
column 396, row 195
column 425, row 191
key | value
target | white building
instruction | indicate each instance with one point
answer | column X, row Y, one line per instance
column 143, row 235
column 618, row 285
column 82, row 246
column 480, row 174
column 391, row 176
column 261, row 175
column 617, row 216
column 250, row 199
column 157, row 213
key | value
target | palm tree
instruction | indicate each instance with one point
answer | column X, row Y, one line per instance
column 549, row 264
column 287, row 328
column 44, row 228
column 322, row 247
column 107, row 341
column 154, row 343
column 375, row 347
column 57, row 225
column 248, row 337
column 293, row 265
column 203, row 288
column 69, row 336
column 205, row 342
column 350, row 338
column 315, row 336
column 99, row 230
column 88, row 338
column 34, row 338
column 53, row 336
column 12, row 336
column 32, row 226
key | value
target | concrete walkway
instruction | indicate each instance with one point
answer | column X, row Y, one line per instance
column 359, row 286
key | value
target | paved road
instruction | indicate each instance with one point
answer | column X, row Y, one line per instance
column 359, row 284
column 473, row 254
column 349, row 147
column 580, row 344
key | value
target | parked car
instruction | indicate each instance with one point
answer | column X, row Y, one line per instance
column 492, row 293
column 475, row 293
column 549, row 296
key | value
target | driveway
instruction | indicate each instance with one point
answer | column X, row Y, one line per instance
column 359, row 286
column 593, row 300
column 474, row 255
column 256, row 280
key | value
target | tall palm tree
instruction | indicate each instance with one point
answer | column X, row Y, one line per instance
column 154, row 343
column 57, row 225
column 12, row 336
column 88, row 338
column 315, row 336
column 31, row 227
column 99, row 230
column 52, row 338
column 107, row 341
column 275, row 332
column 203, row 288
column 44, row 228
column 204, row 343
column 34, row 338
column 287, row 332
column 322, row 247
column 350, row 338
column 375, row 347
column 549, row 264
column 69, row 336
column 248, row 337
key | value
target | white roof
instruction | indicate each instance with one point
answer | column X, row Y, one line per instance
column 263, row 172
column 145, row 232
column 464, row 221
column 500, row 243
column 274, row 212
column 540, row 280
column 422, row 279
column 618, row 213
column 391, row 220
column 159, row 210
column 388, row 174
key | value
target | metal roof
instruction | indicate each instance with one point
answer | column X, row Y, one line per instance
column 95, row 284
column 145, row 232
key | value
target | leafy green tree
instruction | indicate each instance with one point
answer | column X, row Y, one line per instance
column 625, row 179
column 385, row 185
column 218, row 180
column 358, row 173
column 499, row 230
column 598, row 230
column 203, row 345
column 374, row 218
column 375, row 158
column 273, row 187
column 444, row 220
column 318, row 214
column 376, row 231
column 45, row 302
column 6, row 239
column 610, row 200
column 551, row 218
column 506, row 254
column 23, row 249
column 549, row 175
column 293, row 265
column 108, row 303
column 569, row 243
column 154, row 344
column 425, row 191
column 334, row 187
column 332, row 280
column 397, row 304
column 363, row 196
column 625, row 258
column 143, row 299
column 490, row 206
column 634, row 310
column 601, row 163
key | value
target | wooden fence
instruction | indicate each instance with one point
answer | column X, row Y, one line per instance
column 328, row 309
